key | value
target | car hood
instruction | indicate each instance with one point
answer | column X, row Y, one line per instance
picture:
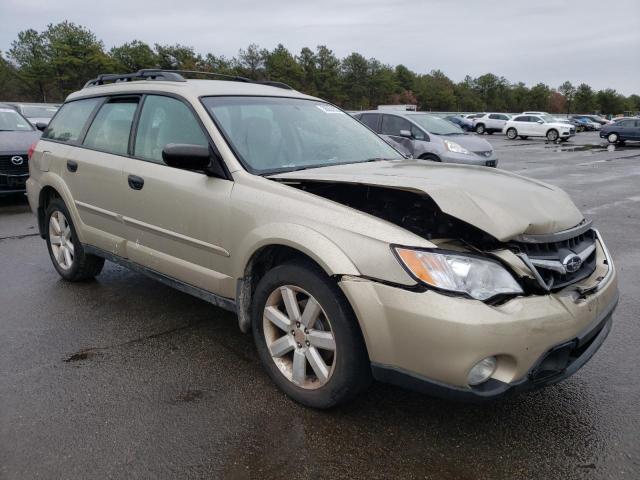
column 473, row 143
column 558, row 125
column 35, row 120
column 17, row 142
column 501, row 204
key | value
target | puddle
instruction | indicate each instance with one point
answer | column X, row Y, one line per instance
column 594, row 148
column 190, row 396
column 79, row 356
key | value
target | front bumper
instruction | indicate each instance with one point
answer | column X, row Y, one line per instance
column 473, row 159
column 429, row 341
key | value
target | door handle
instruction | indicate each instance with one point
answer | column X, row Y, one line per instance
column 72, row 165
column 135, row 182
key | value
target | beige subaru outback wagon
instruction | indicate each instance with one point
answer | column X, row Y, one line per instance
column 346, row 260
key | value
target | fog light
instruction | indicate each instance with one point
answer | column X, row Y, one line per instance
column 482, row 371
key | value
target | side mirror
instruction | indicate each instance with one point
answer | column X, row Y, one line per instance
column 406, row 133
column 540, row 122
column 192, row 157
column 41, row 126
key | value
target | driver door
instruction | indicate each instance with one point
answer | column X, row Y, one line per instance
column 175, row 220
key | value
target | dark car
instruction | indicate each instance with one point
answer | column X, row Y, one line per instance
column 621, row 131
column 17, row 135
column 464, row 123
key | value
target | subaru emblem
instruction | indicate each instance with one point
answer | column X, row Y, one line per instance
column 572, row 263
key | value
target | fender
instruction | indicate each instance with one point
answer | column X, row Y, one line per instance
column 304, row 239
column 321, row 249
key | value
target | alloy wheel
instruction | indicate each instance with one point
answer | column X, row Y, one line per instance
column 61, row 240
column 299, row 337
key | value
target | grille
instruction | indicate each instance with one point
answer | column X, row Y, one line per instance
column 8, row 168
column 547, row 258
column 486, row 153
column 572, row 130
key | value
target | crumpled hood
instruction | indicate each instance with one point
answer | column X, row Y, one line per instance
column 502, row 204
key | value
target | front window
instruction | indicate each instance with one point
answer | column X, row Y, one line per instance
column 10, row 120
column 435, row 125
column 272, row 134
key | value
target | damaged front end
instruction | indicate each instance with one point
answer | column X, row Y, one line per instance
column 539, row 263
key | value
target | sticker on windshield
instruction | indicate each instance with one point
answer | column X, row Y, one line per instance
column 329, row 109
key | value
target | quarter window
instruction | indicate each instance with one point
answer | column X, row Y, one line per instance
column 165, row 120
column 109, row 131
column 69, row 122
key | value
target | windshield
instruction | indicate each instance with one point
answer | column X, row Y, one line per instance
column 436, row 125
column 38, row 111
column 10, row 120
column 548, row 118
column 273, row 134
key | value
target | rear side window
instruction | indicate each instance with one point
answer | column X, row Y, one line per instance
column 111, row 127
column 165, row 120
column 370, row 120
column 69, row 122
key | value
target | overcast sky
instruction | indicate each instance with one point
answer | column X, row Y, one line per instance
column 592, row 41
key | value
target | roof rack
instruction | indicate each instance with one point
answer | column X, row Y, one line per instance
column 173, row 76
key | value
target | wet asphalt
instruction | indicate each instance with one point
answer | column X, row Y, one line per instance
column 123, row 377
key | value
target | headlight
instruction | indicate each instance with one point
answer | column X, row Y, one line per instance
column 479, row 278
column 455, row 148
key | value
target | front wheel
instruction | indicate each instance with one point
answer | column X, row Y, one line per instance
column 66, row 252
column 480, row 129
column 307, row 336
column 429, row 156
column 524, row 137
column 613, row 138
column 512, row 133
column 552, row 135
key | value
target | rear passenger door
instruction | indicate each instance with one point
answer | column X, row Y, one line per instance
column 175, row 220
column 97, row 130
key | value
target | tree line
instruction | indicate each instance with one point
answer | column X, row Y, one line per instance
column 46, row 66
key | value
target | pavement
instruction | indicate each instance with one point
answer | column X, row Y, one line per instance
column 123, row 377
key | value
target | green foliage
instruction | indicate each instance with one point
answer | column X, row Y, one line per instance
column 134, row 56
column 48, row 65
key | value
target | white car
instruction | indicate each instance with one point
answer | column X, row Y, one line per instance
column 544, row 125
column 490, row 123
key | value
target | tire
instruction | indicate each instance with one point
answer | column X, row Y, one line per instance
column 345, row 370
column 613, row 138
column 66, row 252
column 480, row 129
column 524, row 137
column 429, row 156
column 552, row 135
column 512, row 133
column 489, row 132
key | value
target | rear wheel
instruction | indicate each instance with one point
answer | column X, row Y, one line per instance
column 66, row 252
column 512, row 133
column 307, row 336
column 613, row 138
column 524, row 137
column 552, row 135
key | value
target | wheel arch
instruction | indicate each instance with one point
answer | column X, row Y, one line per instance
column 293, row 242
column 53, row 187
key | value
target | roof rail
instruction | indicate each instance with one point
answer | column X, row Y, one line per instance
column 173, row 76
